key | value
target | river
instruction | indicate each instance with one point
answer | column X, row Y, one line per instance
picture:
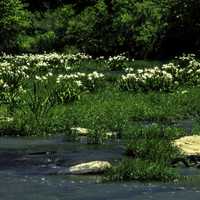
column 27, row 166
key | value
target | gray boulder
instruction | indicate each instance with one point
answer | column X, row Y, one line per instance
column 94, row 167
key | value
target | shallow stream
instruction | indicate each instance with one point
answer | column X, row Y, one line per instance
column 26, row 165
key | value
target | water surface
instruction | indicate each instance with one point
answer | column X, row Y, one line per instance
column 25, row 164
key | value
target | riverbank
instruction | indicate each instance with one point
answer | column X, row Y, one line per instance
column 145, row 107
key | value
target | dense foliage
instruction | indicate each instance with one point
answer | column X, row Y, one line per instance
column 103, row 100
column 12, row 20
column 146, row 28
column 32, row 85
column 106, row 96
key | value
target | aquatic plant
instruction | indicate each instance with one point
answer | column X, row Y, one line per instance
column 142, row 170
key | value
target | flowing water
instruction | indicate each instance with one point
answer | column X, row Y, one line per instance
column 26, row 165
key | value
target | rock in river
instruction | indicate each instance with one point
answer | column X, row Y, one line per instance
column 94, row 167
column 189, row 145
column 80, row 131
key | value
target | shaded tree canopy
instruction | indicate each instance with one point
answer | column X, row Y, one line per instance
column 142, row 28
column 13, row 19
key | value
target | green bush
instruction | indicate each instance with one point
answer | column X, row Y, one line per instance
column 38, row 43
column 47, row 30
column 13, row 20
column 117, row 63
column 143, row 29
column 155, row 150
column 142, row 170
column 139, row 25
column 152, row 130
column 91, row 30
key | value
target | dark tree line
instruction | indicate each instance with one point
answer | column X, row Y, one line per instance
column 142, row 28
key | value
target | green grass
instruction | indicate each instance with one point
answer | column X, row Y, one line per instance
column 141, row 64
column 113, row 109
column 110, row 109
column 141, row 170
column 144, row 121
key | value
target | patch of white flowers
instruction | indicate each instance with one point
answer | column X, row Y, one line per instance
column 95, row 75
column 45, row 61
column 185, row 70
column 120, row 57
column 81, row 79
column 70, row 86
column 118, row 62
column 147, row 79
column 44, row 69
column 12, row 77
column 17, row 71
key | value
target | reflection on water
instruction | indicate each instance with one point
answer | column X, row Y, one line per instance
column 25, row 164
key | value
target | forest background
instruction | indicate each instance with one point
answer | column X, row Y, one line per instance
column 154, row 29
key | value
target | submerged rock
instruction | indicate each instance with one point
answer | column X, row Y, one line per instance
column 80, row 131
column 86, row 136
column 111, row 135
column 189, row 145
column 94, row 167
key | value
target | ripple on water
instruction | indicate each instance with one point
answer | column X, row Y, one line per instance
column 25, row 178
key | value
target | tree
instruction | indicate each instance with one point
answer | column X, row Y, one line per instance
column 139, row 25
column 91, row 30
column 43, row 5
column 13, row 19
column 183, row 30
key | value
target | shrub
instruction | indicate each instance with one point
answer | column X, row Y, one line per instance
column 87, row 28
column 38, row 43
column 13, row 19
column 142, row 170
column 11, row 84
column 47, row 30
column 146, row 80
column 155, row 150
column 184, row 70
column 116, row 63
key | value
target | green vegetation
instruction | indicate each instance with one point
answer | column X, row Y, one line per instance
column 108, row 94
column 141, row 170
column 13, row 19
column 110, row 99
column 142, row 29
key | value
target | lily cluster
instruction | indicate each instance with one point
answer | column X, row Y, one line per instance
column 28, row 72
column 118, row 62
column 12, row 78
column 147, row 79
column 84, row 81
column 45, row 62
column 184, row 70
